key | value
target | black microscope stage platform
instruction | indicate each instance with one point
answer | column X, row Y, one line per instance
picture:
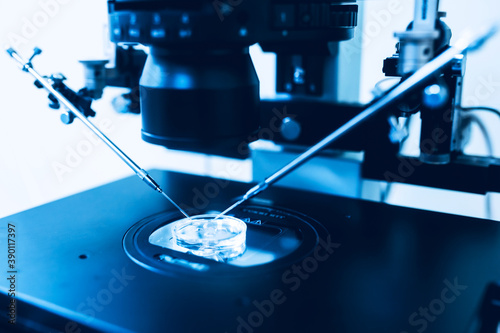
column 329, row 264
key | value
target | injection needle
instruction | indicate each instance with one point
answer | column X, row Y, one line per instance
column 141, row 173
column 467, row 42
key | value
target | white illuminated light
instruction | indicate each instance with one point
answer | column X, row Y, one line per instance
column 434, row 89
column 158, row 33
column 134, row 32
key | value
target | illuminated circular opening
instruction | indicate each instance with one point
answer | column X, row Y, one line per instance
column 218, row 239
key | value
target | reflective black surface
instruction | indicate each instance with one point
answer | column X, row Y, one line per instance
column 274, row 239
column 380, row 268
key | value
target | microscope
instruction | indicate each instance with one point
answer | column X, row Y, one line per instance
column 109, row 259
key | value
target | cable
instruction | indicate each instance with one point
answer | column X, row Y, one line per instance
column 483, row 130
column 480, row 108
column 378, row 90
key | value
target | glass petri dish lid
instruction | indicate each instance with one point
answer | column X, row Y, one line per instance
column 217, row 239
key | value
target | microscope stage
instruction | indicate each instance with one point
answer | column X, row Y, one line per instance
column 320, row 263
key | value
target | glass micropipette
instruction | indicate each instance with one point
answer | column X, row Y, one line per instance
column 142, row 174
column 468, row 41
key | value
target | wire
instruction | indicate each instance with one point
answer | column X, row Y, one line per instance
column 483, row 130
column 480, row 108
column 378, row 90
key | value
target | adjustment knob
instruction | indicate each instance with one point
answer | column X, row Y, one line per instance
column 290, row 129
column 435, row 96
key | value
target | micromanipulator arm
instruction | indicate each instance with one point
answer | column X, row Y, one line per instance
column 27, row 66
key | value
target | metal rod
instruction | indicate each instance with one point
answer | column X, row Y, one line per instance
column 411, row 82
column 141, row 173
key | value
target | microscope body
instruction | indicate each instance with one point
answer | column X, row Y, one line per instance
column 199, row 92
column 370, row 265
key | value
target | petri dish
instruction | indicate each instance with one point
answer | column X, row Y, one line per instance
column 217, row 239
